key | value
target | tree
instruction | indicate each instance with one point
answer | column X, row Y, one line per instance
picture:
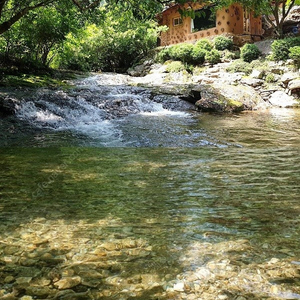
column 11, row 11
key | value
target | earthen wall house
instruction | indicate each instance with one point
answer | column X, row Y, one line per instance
column 233, row 20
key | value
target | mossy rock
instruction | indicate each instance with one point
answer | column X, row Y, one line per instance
column 228, row 98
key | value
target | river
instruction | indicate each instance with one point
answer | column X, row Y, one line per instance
column 154, row 204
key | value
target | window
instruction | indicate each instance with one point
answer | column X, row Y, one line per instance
column 205, row 18
column 177, row 21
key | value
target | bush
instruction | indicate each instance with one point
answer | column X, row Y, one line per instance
column 204, row 44
column 295, row 53
column 182, row 52
column 163, row 55
column 198, row 56
column 222, row 43
column 249, row 52
column 213, row 56
column 270, row 78
column 226, row 54
column 175, row 67
column 281, row 48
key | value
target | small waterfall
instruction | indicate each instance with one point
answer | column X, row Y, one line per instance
column 94, row 108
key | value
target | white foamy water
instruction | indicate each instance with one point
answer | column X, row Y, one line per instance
column 94, row 110
column 78, row 116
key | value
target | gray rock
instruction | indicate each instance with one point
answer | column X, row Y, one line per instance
column 8, row 105
column 228, row 98
column 294, row 86
column 257, row 74
column 288, row 77
column 252, row 82
column 281, row 99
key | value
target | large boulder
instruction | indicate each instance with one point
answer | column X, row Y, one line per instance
column 281, row 99
column 294, row 87
column 228, row 98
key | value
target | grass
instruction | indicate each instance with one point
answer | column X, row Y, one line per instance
column 36, row 78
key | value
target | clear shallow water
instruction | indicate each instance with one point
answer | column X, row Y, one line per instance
column 177, row 196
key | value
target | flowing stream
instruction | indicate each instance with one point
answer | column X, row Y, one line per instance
column 111, row 192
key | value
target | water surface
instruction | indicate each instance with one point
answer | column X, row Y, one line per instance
column 168, row 205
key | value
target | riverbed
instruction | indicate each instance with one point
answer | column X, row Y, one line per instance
column 155, row 203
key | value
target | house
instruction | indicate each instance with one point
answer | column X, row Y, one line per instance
column 206, row 23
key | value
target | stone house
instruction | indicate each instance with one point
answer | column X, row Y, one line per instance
column 207, row 23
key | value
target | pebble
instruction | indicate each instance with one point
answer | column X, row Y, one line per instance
column 68, row 282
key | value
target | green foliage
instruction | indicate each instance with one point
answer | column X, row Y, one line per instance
column 198, row 56
column 181, row 52
column 213, row 56
column 230, row 55
column 189, row 53
column 113, row 46
column 295, row 53
column 270, row 78
column 36, row 39
column 163, row 55
column 204, row 44
column 281, row 48
column 249, row 52
column 175, row 67
column 222, row 43
column 57, row 35
column 239, row 66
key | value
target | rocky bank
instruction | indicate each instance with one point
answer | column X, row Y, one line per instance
column 218, row 88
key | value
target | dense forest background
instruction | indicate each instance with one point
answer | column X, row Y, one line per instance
column 89, row 35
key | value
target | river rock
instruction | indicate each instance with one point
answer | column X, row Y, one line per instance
column 257, row 74
column 8, row 105
column 36, row 291
column 68, row 282
column 288, row 77
column 294, row 86
column 252, row 82
column 228, row 98
column 281, row 99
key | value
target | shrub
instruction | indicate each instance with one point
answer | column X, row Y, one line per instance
column 222, row 43
column 239, row 66
column 270, row 78
column 295, row 53
column 175, row 67
column 249, row 52
column 280, row 48
column 213, row 56
column 230, row 55
column 198, row 56
column 163, row 55
column 204, row 44
column 181, row 52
